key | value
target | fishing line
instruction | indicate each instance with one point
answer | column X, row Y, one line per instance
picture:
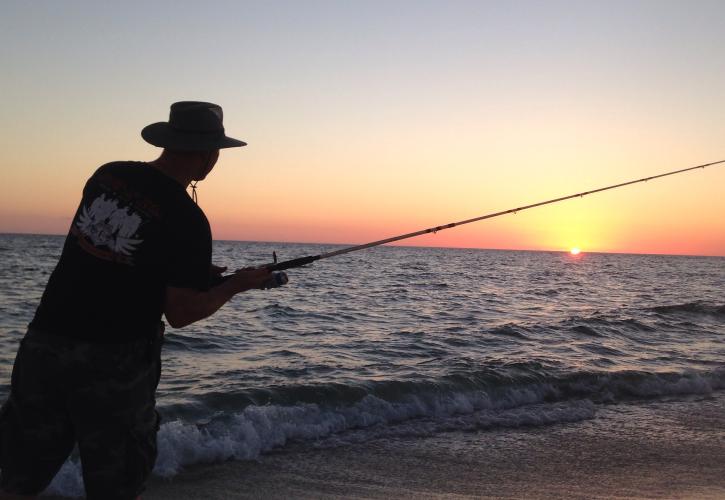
column 301, row 261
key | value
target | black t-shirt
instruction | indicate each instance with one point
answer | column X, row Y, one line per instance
column 135, row 232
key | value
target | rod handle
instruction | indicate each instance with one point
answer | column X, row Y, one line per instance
column 289, row 264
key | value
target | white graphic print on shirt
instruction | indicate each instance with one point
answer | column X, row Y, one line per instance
column 105, row 224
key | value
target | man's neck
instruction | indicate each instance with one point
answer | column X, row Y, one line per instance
column 173, row 170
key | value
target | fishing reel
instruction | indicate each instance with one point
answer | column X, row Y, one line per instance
column 277, row 278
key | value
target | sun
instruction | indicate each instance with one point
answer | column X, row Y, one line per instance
column 575, row 251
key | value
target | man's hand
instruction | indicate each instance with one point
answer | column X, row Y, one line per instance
column 249, row 278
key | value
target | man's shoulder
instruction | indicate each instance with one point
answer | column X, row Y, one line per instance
column 120, row 167
column 132, row 176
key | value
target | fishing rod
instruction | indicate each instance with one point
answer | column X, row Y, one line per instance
column 302, row 261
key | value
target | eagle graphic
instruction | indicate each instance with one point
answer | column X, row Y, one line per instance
column 105, row 224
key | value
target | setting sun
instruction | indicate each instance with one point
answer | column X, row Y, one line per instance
column 575, row 251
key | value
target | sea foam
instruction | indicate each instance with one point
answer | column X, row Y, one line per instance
column 247, row 434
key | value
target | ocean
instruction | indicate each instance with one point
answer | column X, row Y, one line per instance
column 412, row 343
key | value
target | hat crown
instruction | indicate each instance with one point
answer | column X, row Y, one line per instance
column 195, row 116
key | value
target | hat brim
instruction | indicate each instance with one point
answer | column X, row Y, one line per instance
column 162, row 135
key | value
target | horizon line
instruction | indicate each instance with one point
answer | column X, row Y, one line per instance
column 412, row 246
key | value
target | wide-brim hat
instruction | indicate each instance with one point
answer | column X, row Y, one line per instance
column 192, row 126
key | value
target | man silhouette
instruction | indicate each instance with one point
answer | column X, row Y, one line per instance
column 87, row 369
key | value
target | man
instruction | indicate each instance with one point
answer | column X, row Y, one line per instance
column 87, row 370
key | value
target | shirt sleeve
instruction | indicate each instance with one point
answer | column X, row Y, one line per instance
column 188, row 252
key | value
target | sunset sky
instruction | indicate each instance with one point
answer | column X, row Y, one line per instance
column 366, row 119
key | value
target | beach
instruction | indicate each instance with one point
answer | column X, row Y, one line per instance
column 676, row 449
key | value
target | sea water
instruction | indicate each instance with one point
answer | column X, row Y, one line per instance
column 414, row 342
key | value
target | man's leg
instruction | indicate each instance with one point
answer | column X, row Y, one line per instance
column 36, row 435
column 116, row 421
column 118, row 459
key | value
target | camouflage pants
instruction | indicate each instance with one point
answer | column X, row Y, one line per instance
column 100, row 396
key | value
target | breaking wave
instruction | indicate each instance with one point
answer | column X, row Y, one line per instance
column 392, row 409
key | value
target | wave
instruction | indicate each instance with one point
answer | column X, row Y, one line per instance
column 608, row 325
column 692, row 308
column 522, row 394
column 600, row 325
column 421, row 409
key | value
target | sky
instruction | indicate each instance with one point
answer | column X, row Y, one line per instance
column 367, row 119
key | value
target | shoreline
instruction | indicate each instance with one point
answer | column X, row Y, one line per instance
column 652, row 449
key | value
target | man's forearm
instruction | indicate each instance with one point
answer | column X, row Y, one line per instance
column 185, row 306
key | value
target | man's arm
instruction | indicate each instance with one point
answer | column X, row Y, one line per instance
column 184, row 306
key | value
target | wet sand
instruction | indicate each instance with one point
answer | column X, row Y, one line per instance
column 673, row 449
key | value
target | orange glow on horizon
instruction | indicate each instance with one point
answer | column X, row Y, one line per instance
column 361, row 125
